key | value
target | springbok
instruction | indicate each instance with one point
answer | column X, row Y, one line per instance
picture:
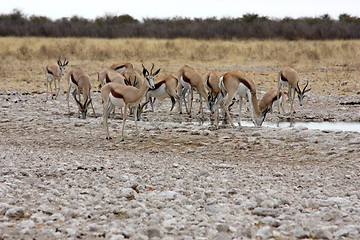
column 123, row 96
column 54, row 72
column 80, row 81
column 289, row 77
column 164, row 86
column 212, row 85
column 189, row 78
column 270, row 98
column 235, row 83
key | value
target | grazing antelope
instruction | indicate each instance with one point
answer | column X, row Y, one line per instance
column 235, row 83
column 212, row 85
column 289, row 77
column 123, row 96
column 119, row 67
column 189, row 78
column 270, row 98
column 54, row 72
column 164, row 86
column 80, row 81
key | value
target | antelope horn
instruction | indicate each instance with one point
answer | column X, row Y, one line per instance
column 135, row 83
column 307, row 83
column 145, row 70
column 77, row 101
column 297, row 89
column 152, row 68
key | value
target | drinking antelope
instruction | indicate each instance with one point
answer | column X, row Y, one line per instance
column 54, row 72
column 289, row 77
column 270, row 98
column 123, row 96
column 164, row 86
column 80, row 81
column 235, row 83
column 212, row 85
column 189, row 78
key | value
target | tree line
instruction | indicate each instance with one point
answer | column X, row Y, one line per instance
column 125, row 26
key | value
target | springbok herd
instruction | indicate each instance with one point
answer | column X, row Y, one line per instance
column 122, row 86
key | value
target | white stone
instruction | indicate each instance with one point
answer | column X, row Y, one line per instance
column 128, row 193
column 168, row 195
column 16, row 212
column 3, row 208
column 265, row 233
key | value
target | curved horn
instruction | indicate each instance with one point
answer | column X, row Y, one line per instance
column 77, row 101
column 145, row 71
column 152, row 69
column 297, row 89
column 307, row 83
column 135, row 83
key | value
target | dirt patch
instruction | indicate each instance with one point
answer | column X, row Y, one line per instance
column 60, row 178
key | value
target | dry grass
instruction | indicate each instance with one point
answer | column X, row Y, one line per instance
column 331, row 66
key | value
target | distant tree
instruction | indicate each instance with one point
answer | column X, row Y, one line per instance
column 250, row 17
column 346, row 18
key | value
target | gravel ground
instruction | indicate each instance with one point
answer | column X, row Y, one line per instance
column 60, row 178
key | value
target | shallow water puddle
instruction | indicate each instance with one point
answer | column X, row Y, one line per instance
column 343, row 126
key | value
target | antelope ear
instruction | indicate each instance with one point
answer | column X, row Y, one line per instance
column 59, row 62
column 66, row 62
column 157, row 72
column 145, row 72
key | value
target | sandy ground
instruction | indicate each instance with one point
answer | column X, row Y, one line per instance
column 60, row 178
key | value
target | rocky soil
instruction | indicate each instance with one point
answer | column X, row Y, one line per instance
column 60, row 178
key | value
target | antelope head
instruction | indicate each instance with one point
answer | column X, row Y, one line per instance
column 259, row 121
column 149, row 77
column 62, row 65
column 83, row 107
column 301, row 94
column 211, row 101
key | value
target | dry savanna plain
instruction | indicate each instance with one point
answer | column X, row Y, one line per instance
column 61, row 179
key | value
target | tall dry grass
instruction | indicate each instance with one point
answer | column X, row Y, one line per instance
column 330, row 66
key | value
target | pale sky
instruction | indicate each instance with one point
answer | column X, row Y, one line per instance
column 140, row 9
